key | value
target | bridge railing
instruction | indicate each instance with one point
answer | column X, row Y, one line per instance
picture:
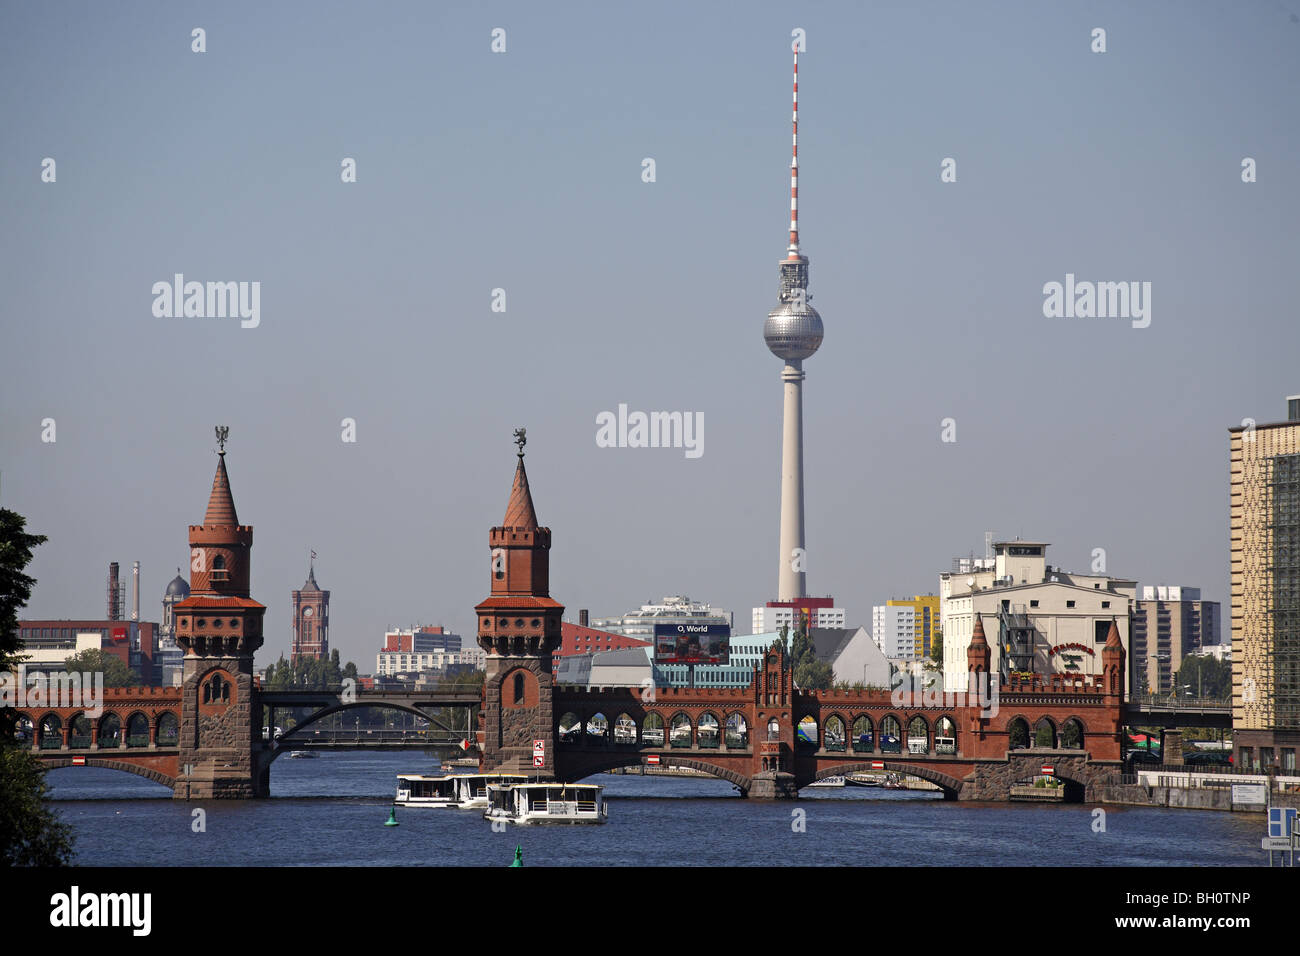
column 1171, row 702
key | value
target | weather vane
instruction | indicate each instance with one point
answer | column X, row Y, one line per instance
column 223, row 432
column 521, row 439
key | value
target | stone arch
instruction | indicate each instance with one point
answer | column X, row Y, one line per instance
column 652, row 730
column 356, row 705
column 918, row 734
column 950, row 785
column 110, row 731
column 945, row 735
column 891, row 727
column 708, row 731
column 167, row 729
column 137, row 729
column 681, row 733
column 1045, row 733
column 807, row 732
column 569, row 728
column 624, row 730
column 773, row 729
column 834, row 733
column 108, row 763
column 80, row 731
column 1072, row 734
column 864, row 734
column 519, row 689
column 599, row 763
column 49, row 729
column 596, row 729
column 736, row 731
column 1018, row 736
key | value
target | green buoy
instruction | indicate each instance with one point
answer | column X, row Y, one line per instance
column 519, row 856
column 392, row 818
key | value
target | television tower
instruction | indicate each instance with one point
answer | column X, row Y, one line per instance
column 793, row 332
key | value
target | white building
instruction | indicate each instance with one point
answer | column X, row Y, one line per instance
column 772, row 619
column 893, row 628
column 674, row 609
column 1037, row 618
column 391, row 663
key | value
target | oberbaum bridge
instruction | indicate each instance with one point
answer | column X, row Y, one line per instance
column 204, row 739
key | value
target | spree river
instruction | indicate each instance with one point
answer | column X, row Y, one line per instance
column 330, row 811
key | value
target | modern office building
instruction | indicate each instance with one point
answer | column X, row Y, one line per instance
column 1264, row 541
column 893, row 629
column 674, row 609
column 50, row 643
column 1046, row 620
column 1170, row 622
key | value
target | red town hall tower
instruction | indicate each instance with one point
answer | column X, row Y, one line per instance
column 219, row 628
column 311, row 620
column 519, row 628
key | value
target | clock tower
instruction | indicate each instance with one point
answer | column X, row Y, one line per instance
column 311, row 619
column 219, row 627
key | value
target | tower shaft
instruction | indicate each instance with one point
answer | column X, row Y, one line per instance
column 792, row 581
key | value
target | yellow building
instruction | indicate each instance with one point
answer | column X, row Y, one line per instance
column 926, row 608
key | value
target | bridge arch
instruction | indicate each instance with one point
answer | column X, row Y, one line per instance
column 950, row 786
column 108, row 763
column 354, row 705
column 1045, row 732
column 1072, row 734
column 599, row 763
column 110, row 730
column 1018, row 733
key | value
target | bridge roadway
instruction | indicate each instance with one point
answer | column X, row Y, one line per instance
column 1168, row 711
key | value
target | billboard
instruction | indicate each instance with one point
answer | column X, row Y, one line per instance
column 692, row 643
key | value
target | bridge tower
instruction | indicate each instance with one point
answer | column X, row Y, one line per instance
column 219, row 628
column 519, row 628
column 978, row 678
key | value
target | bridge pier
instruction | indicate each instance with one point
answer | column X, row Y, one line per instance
column 773, row 785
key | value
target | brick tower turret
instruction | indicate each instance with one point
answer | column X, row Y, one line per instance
column 519, row 628
column 219, row 628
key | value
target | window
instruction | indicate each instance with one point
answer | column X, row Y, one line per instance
column 1033, row 604
column 1105, row 604
column 1069, row 604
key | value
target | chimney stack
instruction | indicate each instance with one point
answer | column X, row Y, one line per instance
column 135, row 592
column 114, row 608
column 582, row 617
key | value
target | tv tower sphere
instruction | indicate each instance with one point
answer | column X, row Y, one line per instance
column 793, row 330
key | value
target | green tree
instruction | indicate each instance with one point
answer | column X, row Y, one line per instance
column 936, row 646
column 812, row 674
column 31, row 834
column 93, row 661
column 1205, row 676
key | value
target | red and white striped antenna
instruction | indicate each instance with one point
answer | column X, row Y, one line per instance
column 794, row 167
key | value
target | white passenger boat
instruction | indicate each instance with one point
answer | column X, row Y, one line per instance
column 547, row 803
column 464, row 791
column 828, row 782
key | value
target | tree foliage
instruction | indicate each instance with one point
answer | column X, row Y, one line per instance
column 92, row 660
column 308, row 673
column 1205, row 676
column 31, row 834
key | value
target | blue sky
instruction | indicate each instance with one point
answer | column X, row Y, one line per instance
column 522, row 171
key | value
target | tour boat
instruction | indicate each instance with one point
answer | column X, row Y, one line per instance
column 547, row 803
column 464, row 791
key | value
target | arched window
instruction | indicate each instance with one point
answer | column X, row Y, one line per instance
column 863, row 736
column 707, row 734
column 570, row 728
column 805, row 734
column 737, row 732
column 891, row 735
column 652, row 732
column 834, row 733
column 918, row 736
column 219, row 571
column 1017, row 734
column 1072, row 734
column 519, row 688
column 1045, row 733
column 773, row 729
column 679, row 734
column 945, row 736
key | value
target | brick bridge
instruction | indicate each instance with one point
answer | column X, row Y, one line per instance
column 769, row 739
column 138, row 731
column 204, row 738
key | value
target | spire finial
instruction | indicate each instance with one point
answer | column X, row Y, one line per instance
column 223, row 432
column 521, row 439
column 794, row 165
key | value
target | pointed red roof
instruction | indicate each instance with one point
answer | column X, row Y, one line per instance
column 520, row 513
column 1112, row 638
column 221, row 506
column 977, row 635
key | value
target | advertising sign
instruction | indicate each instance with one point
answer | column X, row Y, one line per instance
column 692, row 643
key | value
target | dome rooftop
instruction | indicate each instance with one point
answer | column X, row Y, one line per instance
column 179, row 587
column 793, row 331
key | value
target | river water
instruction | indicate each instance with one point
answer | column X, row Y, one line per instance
column 330, row 811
